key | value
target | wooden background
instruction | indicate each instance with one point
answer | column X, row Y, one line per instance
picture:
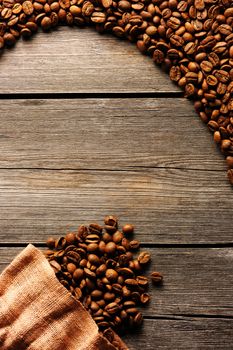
column 91, row 127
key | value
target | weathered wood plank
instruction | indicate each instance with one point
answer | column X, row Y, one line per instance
column 183, row 334
column 79, row 60
column 196, row 281
column 105, row 134
column 167, row 205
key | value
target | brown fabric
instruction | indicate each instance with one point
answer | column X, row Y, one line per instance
column 38, row 313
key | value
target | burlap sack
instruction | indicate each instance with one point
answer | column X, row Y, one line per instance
column 38, row 313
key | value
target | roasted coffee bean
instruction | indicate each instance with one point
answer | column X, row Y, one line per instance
column 110, row 248
column 70, row 238
column 134, row 244
column 78, row 293
column 117, row 237
column 71, row 268
column 138, row 319
column 9, row 39
column 117, row 288
column 126, row 272
column 56, row 267
column 93, row 259
column 145, row 298
column 27, row 7
column 78, row 274
column 92, row 247
column 101, row 270
column 206, row 66
column 128, row 229
column 108, row 296
column 131, row 283
column 92, row 238
column 175, row 73
column 112, row 308
column 156, row 277
column 142, row 281
column 144, row 257
column 96, row 294
column 50, row 242
column 88, row 273
column 111, row 275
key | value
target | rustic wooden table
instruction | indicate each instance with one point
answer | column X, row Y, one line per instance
column 91, row 127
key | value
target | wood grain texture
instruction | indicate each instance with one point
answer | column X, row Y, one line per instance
column 183, row 334
column 79, row 60
column 196, row 281
column 105, row 134
column 166, row 205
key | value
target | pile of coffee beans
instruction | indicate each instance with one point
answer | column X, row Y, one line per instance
column 191, row 39
column 98, row 266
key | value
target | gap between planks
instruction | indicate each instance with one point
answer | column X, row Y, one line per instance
column 101, row 95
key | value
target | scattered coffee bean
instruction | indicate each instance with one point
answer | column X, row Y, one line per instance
column 99, row 269
column 144, row 258
column 156, row 277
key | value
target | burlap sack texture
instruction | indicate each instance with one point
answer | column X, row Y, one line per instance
column 38, row 313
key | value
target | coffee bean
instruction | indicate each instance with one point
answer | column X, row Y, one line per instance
column 144, row 258
column 117, row 237
column 50, row 242
column 93, row 259
column 106, row 3
column 138, row 319
column 128, row 229
column 158, row 56
column 131, row 283
column 92, row 247
column 92, row 238
column 145, row 298
column 156, row 277
column 211, row 80
column 111, row 275
column 71, row 268
column 142, row 281
column 101, row 270
column 56, row 267
column 96, row 294
column 117, row 288
column 94, row 306
column 229, row 160
column 126, row 272
column 110, row 248
column 134, row 244
column 230, row 175
column 175, row 73
column 46, row 23
column 78, row 274
column 78, row 293
column 27, row 7
column 118, row 31
column 70, row 238
column 206, row 66
column 75, row 10
column 108, row 296
column 112, row 308
column 9, row 39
